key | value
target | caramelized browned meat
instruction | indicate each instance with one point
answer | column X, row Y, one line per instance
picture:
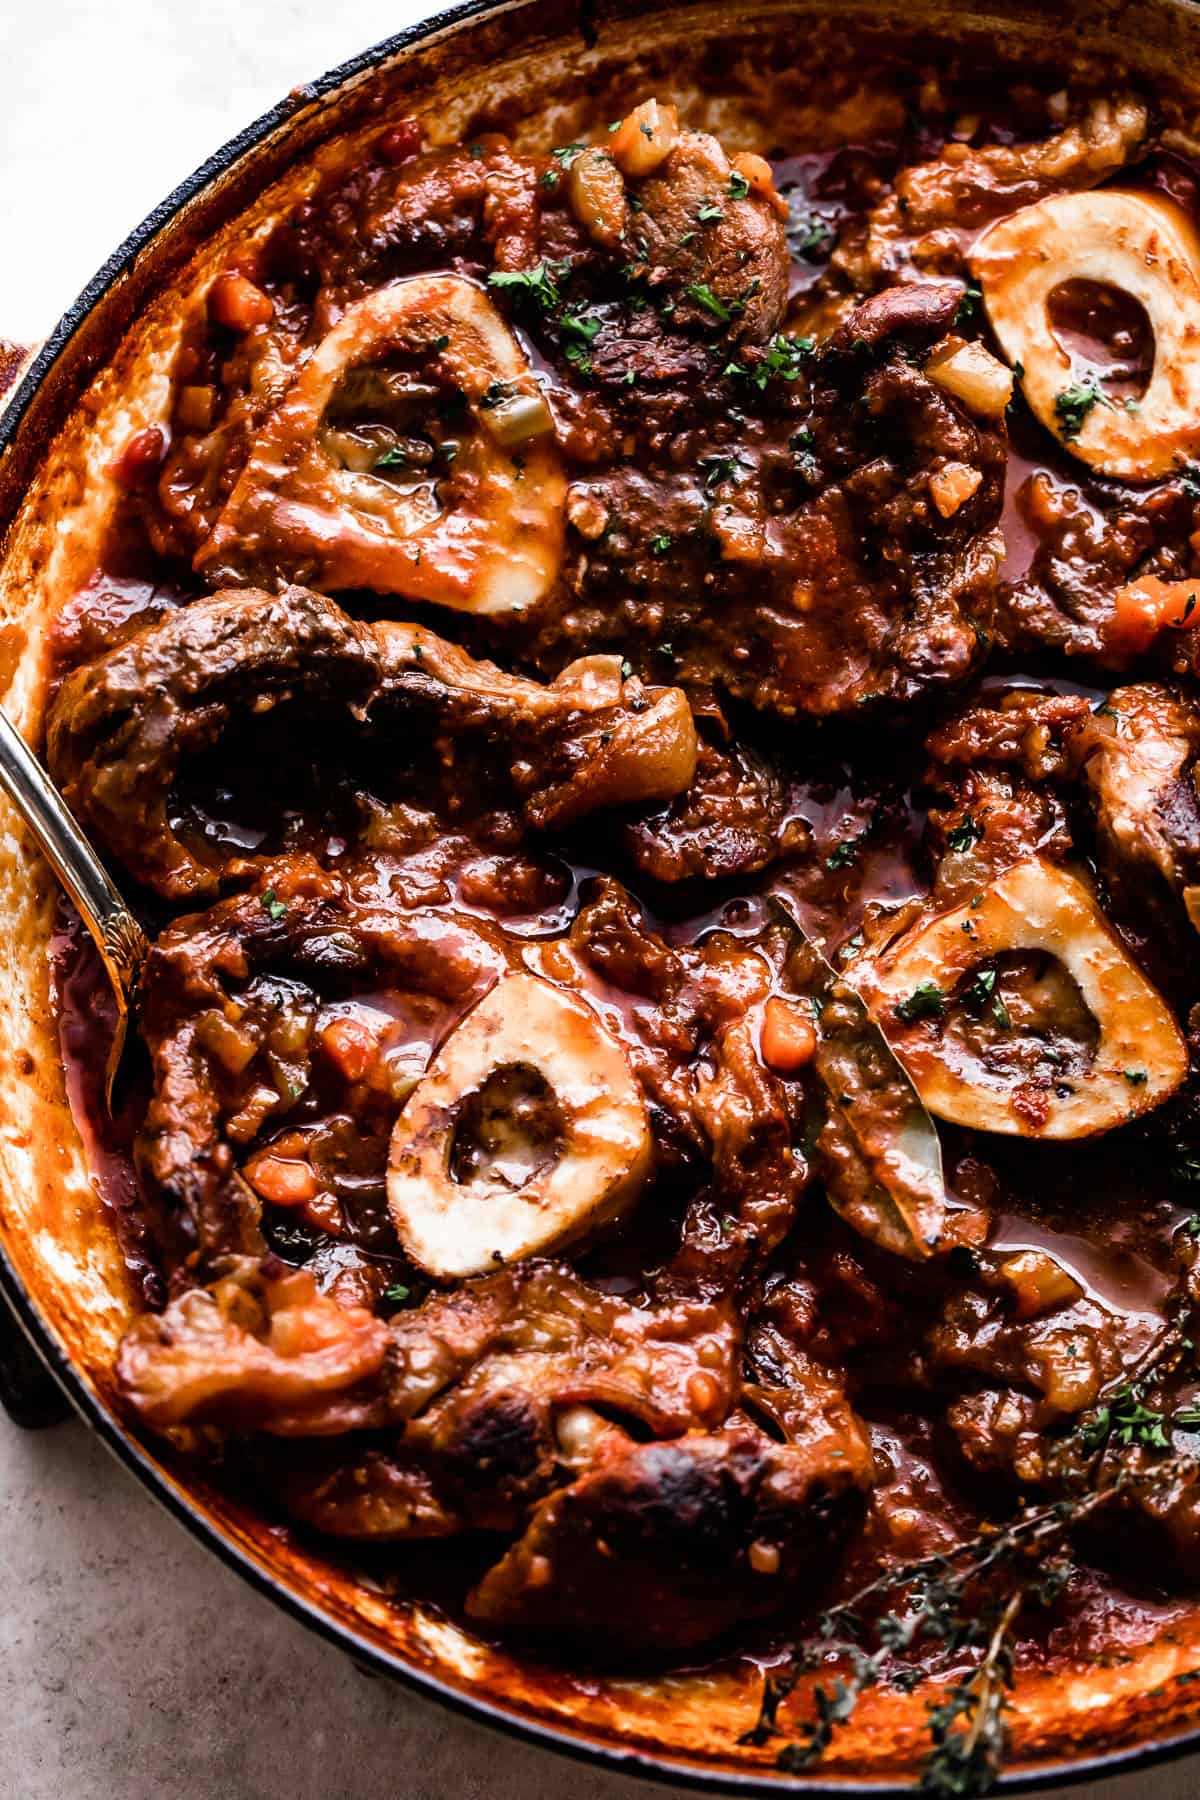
column 122, row 726
column 921, row 227
column 507, row 1177
column 693, row 229
column 670, row 1545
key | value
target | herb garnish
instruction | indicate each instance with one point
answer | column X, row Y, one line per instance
column 968, row 831
column 1073, row 405
column 272, row 905
column 660, row 545
column 809, row 235
column 845, row 854
column 539, row 283
column 739, row 187
column 926, row 1001
column 962, row 1599
column 702, row 294
column 391, row 458
column 784, row 356
column 968, row 307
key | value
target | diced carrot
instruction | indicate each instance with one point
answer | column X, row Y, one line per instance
column 351, row 1045
column 1143, row 608
column 235, row 302
column 953, row 486
column 324, row 1213
column 789, row 1037
column 280, row 1180
column 1039, row 1283
column 644, row 138
column 758, row 172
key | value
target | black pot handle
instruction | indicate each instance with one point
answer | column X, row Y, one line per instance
column 29, row 1393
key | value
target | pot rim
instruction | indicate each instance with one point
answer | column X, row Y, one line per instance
column 562, row 1739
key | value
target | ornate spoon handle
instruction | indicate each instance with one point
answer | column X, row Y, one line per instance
column 119, row 938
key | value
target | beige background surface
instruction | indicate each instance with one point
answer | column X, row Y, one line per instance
column 132, row 1664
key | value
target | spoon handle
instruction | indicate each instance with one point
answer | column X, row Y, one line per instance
column 119, row 938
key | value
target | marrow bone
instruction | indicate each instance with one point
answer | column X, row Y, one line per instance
column 1138, row 243
column 453, row 1228
column 485, row 539
column 1138, row 1060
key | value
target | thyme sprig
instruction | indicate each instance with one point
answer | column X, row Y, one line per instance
column 955, row 1601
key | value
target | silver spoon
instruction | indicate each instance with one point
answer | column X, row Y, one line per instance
column 119, row 938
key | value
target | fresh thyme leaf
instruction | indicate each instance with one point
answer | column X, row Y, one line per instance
column 717, row 469
column 927, row 1001
column 960, row 1600
column 1073, row 405
column 982, row 994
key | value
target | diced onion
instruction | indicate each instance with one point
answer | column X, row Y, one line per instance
column 974, row 376
column 518, row 419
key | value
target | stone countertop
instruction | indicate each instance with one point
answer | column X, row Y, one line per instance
column 132, row 1663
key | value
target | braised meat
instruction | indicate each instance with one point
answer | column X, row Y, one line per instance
column 681, row 1078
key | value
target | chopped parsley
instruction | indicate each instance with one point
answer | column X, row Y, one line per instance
column 926, row 1001
column 1073, row 405
column 982, row 993
column 809, row 235
column 702, row 294
column 968, row 306
column 717, row 469
column 272, row 905
column 495, row 394
column 739, row 187
column 968, row 831
column 845, row 854
column 539, row 283
column 709, row 214
column 1135, row 1077
column 784, row 357
column 565, row 154
column 392, row 458
column 659, row 546
column 576, row 325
